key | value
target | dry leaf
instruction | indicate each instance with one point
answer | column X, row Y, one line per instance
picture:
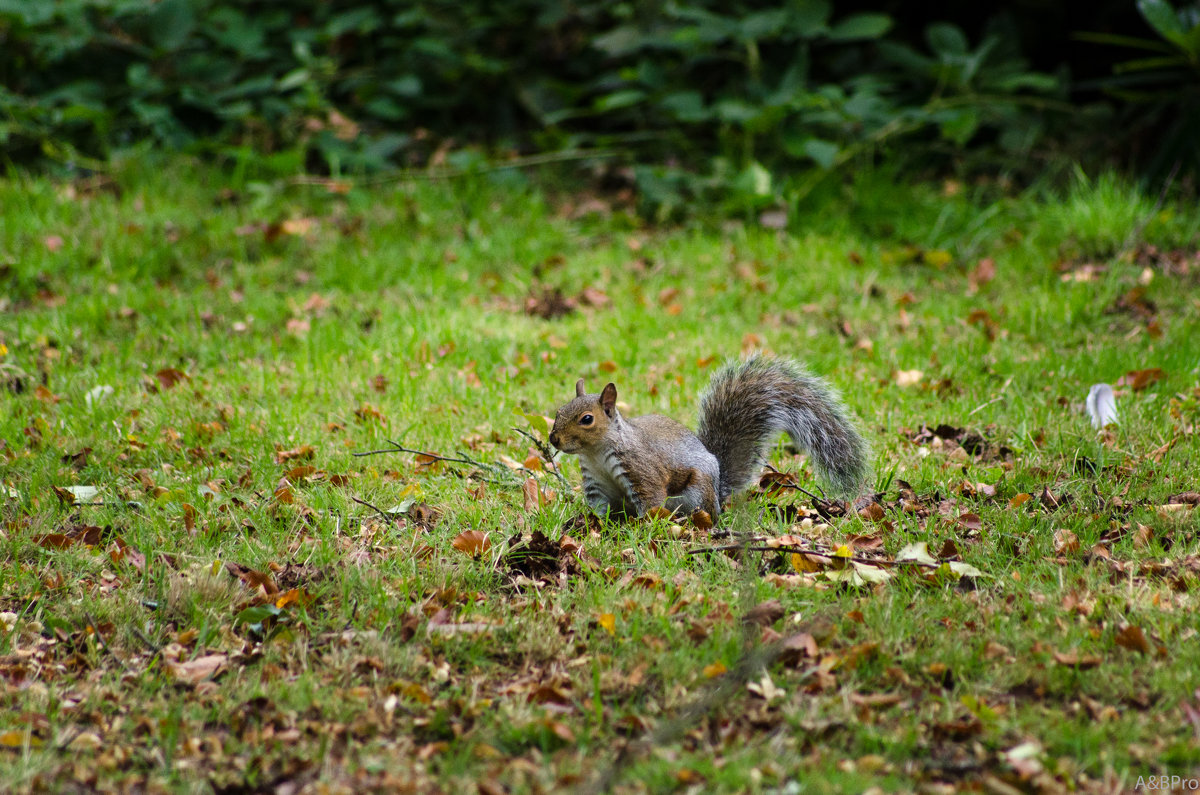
column 1132, row 637
column 472, row 542
column 195, row 671
column 1075, row 659
column 1137, row 380
column 169, row 377
column 608, row 622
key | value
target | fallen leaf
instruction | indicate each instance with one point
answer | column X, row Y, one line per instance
column 304, row 451
column 1075, row 659
column 1065, row 541
column 472, row 542
column 917, row 552
column 608, row 622
column 765, row 613
column 1132, row 637
column 169, row 377
column 195, row 671
column 1137, row 380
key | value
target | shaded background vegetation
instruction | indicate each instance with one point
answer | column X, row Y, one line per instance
column 697, row 94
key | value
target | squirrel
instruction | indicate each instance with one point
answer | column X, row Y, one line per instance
column 632, row 466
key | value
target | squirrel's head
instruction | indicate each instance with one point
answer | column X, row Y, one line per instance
column 584, row 421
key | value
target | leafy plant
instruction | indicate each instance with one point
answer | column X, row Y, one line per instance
column 1161, row 88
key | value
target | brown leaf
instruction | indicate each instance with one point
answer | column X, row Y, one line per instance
column 1137, row 380
column 535, row 498
column 765, row 613
column 1132, row 637
column 594, row 298
column 1065, row 541
column 648, row 580
column 872, row 512
column 472, row 542
column 169, row 377
column 702, row 520
column 797, row 647
column 970, row 521
column 772, row 482
column 984, row 272
column 304, row 451
column 253, row 579
column 549, row 694
column 55, row 541
column 300, row 472
column 77, row 460
column 1075, row 659
column 195, row 671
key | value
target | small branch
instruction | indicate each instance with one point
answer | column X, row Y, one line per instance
column 502, row 475
column 547, row 454
column 386, row 518
column 103, row 643
column 396, row 448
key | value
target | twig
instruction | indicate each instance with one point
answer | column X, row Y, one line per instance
column 151, row 645
column 547, row 454
column 386, row 518
column 396, row 448
column 504, row 475
column 983, row 406
column 96, row 631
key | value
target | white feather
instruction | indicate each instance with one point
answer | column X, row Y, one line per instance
column 1102, row 406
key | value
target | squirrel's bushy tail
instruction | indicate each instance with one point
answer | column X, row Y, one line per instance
column 749, row 403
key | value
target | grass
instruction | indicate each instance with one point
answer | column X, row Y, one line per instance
column 301, row 325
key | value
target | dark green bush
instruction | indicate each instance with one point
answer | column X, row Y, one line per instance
column 371, row 84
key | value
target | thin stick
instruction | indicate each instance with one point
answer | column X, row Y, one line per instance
column 398, row 449
column 386, row 517
column 547, row 454
column 983, row 406
column 96, row 630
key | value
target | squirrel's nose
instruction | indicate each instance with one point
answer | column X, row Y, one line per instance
column 554, row 439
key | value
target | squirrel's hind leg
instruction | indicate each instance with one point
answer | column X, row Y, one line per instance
column 697, row 492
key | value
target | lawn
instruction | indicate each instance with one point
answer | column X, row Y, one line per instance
column 204, row 589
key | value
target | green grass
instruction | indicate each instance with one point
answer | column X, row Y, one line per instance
column 282, row 333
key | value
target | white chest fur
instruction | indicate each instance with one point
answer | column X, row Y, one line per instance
column 605, row 481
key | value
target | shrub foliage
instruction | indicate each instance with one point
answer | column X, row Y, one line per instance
column 739, row 86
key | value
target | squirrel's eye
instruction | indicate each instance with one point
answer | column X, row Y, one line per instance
column 586, row 419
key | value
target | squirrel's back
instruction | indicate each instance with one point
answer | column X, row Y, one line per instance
column 749, row 403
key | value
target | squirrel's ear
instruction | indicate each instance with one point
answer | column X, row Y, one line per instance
column 608, row 399
column 579, row 390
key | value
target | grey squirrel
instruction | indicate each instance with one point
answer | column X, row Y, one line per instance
column 632, row 466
